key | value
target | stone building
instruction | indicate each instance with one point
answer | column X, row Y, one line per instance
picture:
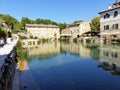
column 43, row 31
column 75, row 30
column 65, row 33
column 110, row 22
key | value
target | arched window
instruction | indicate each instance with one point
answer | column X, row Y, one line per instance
column 106, row 16
column 115, row 13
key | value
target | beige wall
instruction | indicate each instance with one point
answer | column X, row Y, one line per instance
column 47, row 31
column 74, row 30
column 77, row 29
column 65, row 32
column 84, row 27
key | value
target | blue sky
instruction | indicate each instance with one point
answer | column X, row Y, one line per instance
column 60, row 11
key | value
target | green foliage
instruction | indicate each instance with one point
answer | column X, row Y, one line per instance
column 31, row 37
column 35, row 37
column 45, row 40
column 38, row 42
column 10, row 21
column 44, row 21
column 17, row 26
column 62, row 26
column 21, row 53
column 19, row 45
column 75, row 40
column 19, row 49
column 95, row 52
column 22, row 37
column 95, row 24
column 3, row 33
column 25, row 20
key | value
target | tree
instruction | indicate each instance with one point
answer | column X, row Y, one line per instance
column 11, row 22
column 3, row 33
column 25, row 20
column 62, row 26
column 95, row 24
column 44, row 21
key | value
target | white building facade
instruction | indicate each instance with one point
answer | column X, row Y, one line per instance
column 110, row 22
column 43, row 31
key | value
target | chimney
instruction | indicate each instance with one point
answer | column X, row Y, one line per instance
column 110, row 7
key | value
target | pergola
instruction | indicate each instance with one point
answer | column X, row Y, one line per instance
column 91, row 33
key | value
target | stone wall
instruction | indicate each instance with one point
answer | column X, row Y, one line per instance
column 7, row 71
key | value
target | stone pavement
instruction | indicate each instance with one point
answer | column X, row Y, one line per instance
column 7, row 65
column 5, row 50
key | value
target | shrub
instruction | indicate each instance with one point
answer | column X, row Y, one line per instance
column 3, row 33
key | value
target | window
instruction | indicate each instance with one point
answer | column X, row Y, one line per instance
column 78, row 36
column 33, row 42
column 105, row 53
column 115, row 26
column 106, row 16
column 114, row 55
column 115, row 13
column 106, row 27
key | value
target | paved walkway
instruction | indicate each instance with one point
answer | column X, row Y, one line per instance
column 8, row 47
column 5, row 50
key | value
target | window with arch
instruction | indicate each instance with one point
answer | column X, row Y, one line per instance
column 106, row 16
column 115, row 13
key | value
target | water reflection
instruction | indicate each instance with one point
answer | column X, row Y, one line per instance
column 22, row 65
column 110, row 58
column 76, row 49
column 107, row 55
column 71, row 66
column 51, row 49
column 44, row 49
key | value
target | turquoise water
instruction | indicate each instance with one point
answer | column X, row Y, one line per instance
column 71, row 66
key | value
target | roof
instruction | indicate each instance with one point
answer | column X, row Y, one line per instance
column 41, row 25
column 116, row 5
column 109, row 10
column 89, row 32
column 75, row 24
column 78, row 23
